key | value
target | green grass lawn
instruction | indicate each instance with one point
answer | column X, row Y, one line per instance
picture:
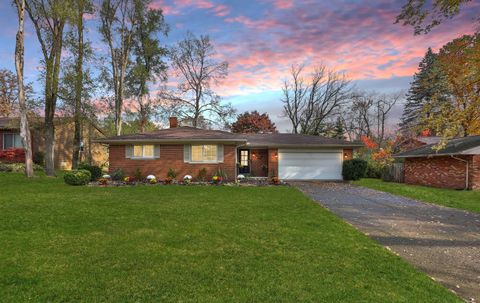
column 186, row 243
column 461, row 199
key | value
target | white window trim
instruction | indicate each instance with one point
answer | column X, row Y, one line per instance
column 143, row 152
column 204, row 161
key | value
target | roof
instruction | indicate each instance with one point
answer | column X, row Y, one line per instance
column 191, row 134
column 289, row 140
column 9, row 123
column 429, row 140
column 460, row 146
column 176, row 134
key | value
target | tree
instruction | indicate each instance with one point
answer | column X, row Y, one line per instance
column 194, row 63
column 339, row 129
column 459, row 114
column 19, row 63
column 428, row 83
column 75, row 76
column 253, row 123
column 148, row 65
column 424, row 15
column 49, row 19
column 309, row 105
column 118, row 21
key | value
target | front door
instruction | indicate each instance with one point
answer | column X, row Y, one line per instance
column 244, row 161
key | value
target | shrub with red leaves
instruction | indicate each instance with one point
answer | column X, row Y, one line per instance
column 12, row 155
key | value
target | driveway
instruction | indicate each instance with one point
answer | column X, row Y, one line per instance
column 443, row 242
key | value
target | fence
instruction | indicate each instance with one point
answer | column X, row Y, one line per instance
column 394, row 173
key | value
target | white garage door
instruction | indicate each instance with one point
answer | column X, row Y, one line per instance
column 310, row 165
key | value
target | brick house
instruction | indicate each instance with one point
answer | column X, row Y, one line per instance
column 10, row 138
column 188, row 150
column 456, row 166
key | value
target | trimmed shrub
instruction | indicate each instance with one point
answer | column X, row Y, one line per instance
column 354, row 169
column 95, row 171
column 17, row 167
column 12, row 155
column 374, row 170
column 77, row 177
column 118, row 175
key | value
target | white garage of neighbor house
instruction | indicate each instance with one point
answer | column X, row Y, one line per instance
column 294, row 156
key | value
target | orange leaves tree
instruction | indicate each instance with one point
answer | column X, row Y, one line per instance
column 253, row 123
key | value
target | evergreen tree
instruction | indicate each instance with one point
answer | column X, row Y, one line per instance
column 339, row 130
column 427, row 83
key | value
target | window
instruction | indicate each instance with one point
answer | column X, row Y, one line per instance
column 12, row 141
column 244, row 158
column 143, row 151
column 204, row 153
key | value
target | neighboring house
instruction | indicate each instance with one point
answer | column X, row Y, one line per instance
column 456, row 166
column 188, row 150
column 416, row 142
column 10, row 138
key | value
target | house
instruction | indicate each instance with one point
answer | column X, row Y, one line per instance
column 188, row 150
column 416, row 142
column 10, row 138
column 455, row 166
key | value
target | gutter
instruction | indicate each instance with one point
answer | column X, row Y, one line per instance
column 466, row 169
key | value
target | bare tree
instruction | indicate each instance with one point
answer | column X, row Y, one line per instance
column 117, row 29
column 310, row 104
column 19, row 63
column 49, row 19
column 384, row 103
column 194, row 63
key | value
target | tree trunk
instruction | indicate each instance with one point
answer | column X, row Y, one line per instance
column 19, row 56
column 77, row 137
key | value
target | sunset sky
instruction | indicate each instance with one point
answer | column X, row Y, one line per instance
column 261, row 39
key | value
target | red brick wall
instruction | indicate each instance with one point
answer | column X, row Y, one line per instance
column 259, row 162
column 347, row 154
column 273, row 161
column 445, row 172
column 171, row 156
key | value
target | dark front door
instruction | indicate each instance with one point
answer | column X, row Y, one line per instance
column 244, row 161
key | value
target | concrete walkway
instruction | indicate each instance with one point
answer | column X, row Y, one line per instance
column 443, row 242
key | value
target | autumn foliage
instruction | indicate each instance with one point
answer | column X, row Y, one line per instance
column 12, row 155
column 253, row 123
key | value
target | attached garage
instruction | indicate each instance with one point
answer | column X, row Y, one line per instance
column 317, row 164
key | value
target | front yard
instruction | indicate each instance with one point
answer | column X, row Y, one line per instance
column 185, row 243
column 461, row 199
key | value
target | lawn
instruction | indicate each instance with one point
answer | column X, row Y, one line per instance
column 461, row 199
column 185, row 243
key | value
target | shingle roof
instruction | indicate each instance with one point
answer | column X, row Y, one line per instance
column 187, row 134
column 9, row 123
column 453, row 147
column 285, row 140
column 429, row 140
column 183, row 133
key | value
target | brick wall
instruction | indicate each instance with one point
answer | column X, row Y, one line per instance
column 259, row 162
column 444, row 172
column 347, row 154
column 273, row 161
column 171, row 156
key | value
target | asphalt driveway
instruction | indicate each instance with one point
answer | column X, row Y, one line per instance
column 443, row 242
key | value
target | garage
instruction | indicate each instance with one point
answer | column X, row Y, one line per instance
column 310, row 164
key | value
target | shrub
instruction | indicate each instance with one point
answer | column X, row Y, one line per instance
column 95, row 171
column 354, row 169
column 171, row 174
column 17, row 167
column 138, row 174
column 77, row 177
column 202, row 175
column 374, row 170
column 39, row 158
column 13, row 155
column 118, row 175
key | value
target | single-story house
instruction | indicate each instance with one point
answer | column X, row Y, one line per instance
column 188, row 150
column 95, row 153
column 416, row 142
column 455, row 166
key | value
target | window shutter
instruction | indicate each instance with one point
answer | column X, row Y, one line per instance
column 128, row 151
column 187, row 151
column 156, row 151
column 220, row 153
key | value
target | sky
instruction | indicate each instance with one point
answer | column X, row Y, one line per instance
column 262, row 39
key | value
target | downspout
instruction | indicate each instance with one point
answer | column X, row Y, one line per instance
column 466, row 169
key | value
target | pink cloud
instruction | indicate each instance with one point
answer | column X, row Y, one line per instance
column 283, row 4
